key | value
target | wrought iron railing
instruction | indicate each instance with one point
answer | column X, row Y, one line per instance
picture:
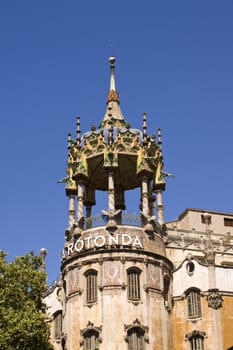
column 122, row 219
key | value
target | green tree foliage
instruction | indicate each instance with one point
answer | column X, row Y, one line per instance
column 22, row 312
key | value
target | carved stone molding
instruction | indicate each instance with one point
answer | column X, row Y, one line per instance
column 138, row 326
column 214, row 299
column 90, row 328
column 195, row 334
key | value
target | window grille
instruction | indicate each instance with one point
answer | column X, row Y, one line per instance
column 135, row 339
column 134, row 284
column 57, row 325
column 91, row 341
column 194, row 304
column 228, row 222
column 91, row 286
column 196, row 342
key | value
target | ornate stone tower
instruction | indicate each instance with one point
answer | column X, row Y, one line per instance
column 116, row 278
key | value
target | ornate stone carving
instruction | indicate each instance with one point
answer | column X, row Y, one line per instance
column 195, row 334
column 113, row 96
column 154, row 275
column 137, row 325
column 73, row 283
column 112, row 275
column 90, row 328
column 214, row 299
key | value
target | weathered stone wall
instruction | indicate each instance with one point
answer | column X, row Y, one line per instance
column 112, row 313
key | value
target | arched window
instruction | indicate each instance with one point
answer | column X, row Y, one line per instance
column 133, row 276
column 193, row 303
column 57, row 324
column 196, row 340
column 135, row 339
column 196, row 343
column 91, row 286
column 91, row 340
column 90, row 337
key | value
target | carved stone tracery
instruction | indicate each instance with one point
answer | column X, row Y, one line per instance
column 214, row 299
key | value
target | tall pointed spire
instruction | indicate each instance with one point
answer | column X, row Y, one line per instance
column 113, row 114
column 112, row 61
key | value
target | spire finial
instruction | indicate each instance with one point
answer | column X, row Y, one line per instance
column 112, row 61
column 78, row 131
column 144, row 126
column 112, row 94
column 113, row 110
column 160, row 141
column 69, row 142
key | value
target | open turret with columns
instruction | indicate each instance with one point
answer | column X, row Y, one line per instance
column 114, row 158
column 115, row 275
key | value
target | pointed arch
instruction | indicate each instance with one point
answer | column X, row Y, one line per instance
column 136, row 335
column 90, row 337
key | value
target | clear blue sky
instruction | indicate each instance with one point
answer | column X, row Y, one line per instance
column 174, row 61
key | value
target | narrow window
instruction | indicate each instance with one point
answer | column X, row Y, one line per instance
column 196, row 342
column 57, row 324
column 194, row 304
column 133, row 284
column 166, row 285
column 91, row 286
column 135, row 339
column 91, row 340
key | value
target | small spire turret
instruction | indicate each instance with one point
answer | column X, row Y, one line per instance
column 113, row 110
column 144, row 127
column 69, row 141
column 43, row 253
column 160, row 142
column 78, row 131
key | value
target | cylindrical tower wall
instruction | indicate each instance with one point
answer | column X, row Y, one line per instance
column 127, row 269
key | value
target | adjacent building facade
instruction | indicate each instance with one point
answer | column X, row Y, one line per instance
column 132, row 281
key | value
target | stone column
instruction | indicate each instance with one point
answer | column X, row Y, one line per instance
column 80, row 213
column 145, row 196
column 111, row 191
column 214, row 297
column 43, row 253
column 71, row 211
column 119, row 201
column 89, row 201
column 160, row 207
column 88, row 216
